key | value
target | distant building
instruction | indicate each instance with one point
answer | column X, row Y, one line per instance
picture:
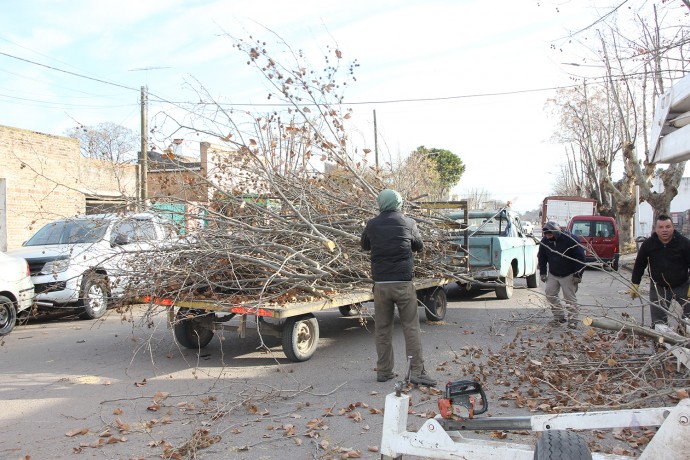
column 680, row 210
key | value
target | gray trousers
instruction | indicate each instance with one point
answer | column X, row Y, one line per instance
column 569, row 288
column 386, row 297
column 661, row 298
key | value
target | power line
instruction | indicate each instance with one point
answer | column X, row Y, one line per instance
column 68, row 72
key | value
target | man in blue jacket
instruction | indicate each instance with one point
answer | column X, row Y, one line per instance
column 667, row 253
column 565, row 258
column 392, row 238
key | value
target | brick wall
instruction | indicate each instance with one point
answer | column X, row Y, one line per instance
column 46, row 179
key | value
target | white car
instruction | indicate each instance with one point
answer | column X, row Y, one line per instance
column 85, row 261
column 527, row 228
column 16, row 290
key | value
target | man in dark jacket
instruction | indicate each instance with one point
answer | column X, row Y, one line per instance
column 667, row 253
column 392, row 237
column 565, row 258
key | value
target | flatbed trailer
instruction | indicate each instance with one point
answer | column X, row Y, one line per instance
column 194, row 322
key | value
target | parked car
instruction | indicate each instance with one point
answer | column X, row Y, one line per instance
column 16, row 290
column 599, row 235
column 527, row 228
column 85, row 261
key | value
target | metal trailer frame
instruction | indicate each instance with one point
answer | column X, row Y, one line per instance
column 194, row 321
column 433, row 440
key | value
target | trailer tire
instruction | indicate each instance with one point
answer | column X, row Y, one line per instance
column 561, row 445
column 435, row 304
column 350, row 310
column 505, row 289
column 190, row 333
column 533, row 280
column 300, row 337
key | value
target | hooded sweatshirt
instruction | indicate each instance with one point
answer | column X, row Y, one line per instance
column 391, row 237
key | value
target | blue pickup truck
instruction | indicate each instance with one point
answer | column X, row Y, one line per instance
column 499, row 251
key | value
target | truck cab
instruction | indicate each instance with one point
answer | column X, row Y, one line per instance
column 499, row 251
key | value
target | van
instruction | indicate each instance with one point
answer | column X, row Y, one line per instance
column 600, row 238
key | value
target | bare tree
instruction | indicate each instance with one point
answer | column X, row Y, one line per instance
column 604, row 124
column 106, row 141
column 414, row 176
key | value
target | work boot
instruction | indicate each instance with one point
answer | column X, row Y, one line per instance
column 423, row 379
column 558, row 321
column 385, row 377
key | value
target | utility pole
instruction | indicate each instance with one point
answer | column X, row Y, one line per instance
column 376, row 143
column 143, row 155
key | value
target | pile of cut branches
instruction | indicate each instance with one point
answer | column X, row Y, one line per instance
column 296, row 240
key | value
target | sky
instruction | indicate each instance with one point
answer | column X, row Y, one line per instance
column 468, row 76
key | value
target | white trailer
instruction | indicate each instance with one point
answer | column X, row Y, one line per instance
column 434, row 440
column 561, row 209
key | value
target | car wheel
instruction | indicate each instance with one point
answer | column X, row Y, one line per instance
column 435, row 304
column 505, row 289
column 94, row 296
column 8, row 315
column 533, row 281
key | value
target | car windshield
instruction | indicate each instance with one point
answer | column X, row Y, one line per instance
column 69, row 232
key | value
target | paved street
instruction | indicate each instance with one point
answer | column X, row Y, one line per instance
column 120, row 377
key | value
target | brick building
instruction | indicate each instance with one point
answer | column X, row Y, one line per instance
column 44, row 177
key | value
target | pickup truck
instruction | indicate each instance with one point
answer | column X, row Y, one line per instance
column 499, row 251
column 84, row 262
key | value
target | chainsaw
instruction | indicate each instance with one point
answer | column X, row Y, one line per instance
column 463, row 399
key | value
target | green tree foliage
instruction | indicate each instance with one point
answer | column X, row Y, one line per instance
column 449, row 167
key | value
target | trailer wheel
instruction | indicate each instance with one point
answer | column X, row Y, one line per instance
column 189, row 332
column 505, row 289
column 561, row 445
column 350, row 310
column 435, row 303
column 300, row 337
column 533, row 280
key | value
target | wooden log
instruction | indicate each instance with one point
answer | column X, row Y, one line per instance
column 617, row 325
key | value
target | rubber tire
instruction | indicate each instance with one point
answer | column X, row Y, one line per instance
column 436, row 303
column 8, row 315
column 188, row 333
column 350, row 310
column 561, row 445
column 300, row 337
column 505, row 290
column 533, row 280
column 615, row 263
column 93, row 297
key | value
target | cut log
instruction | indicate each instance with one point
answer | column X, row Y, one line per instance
column 618, row 325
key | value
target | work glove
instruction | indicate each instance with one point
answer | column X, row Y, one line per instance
column 634, row 293
column 577, row 278
column 544, row 278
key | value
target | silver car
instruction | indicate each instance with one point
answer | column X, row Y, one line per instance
column 83, row 262
column 16, row 290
